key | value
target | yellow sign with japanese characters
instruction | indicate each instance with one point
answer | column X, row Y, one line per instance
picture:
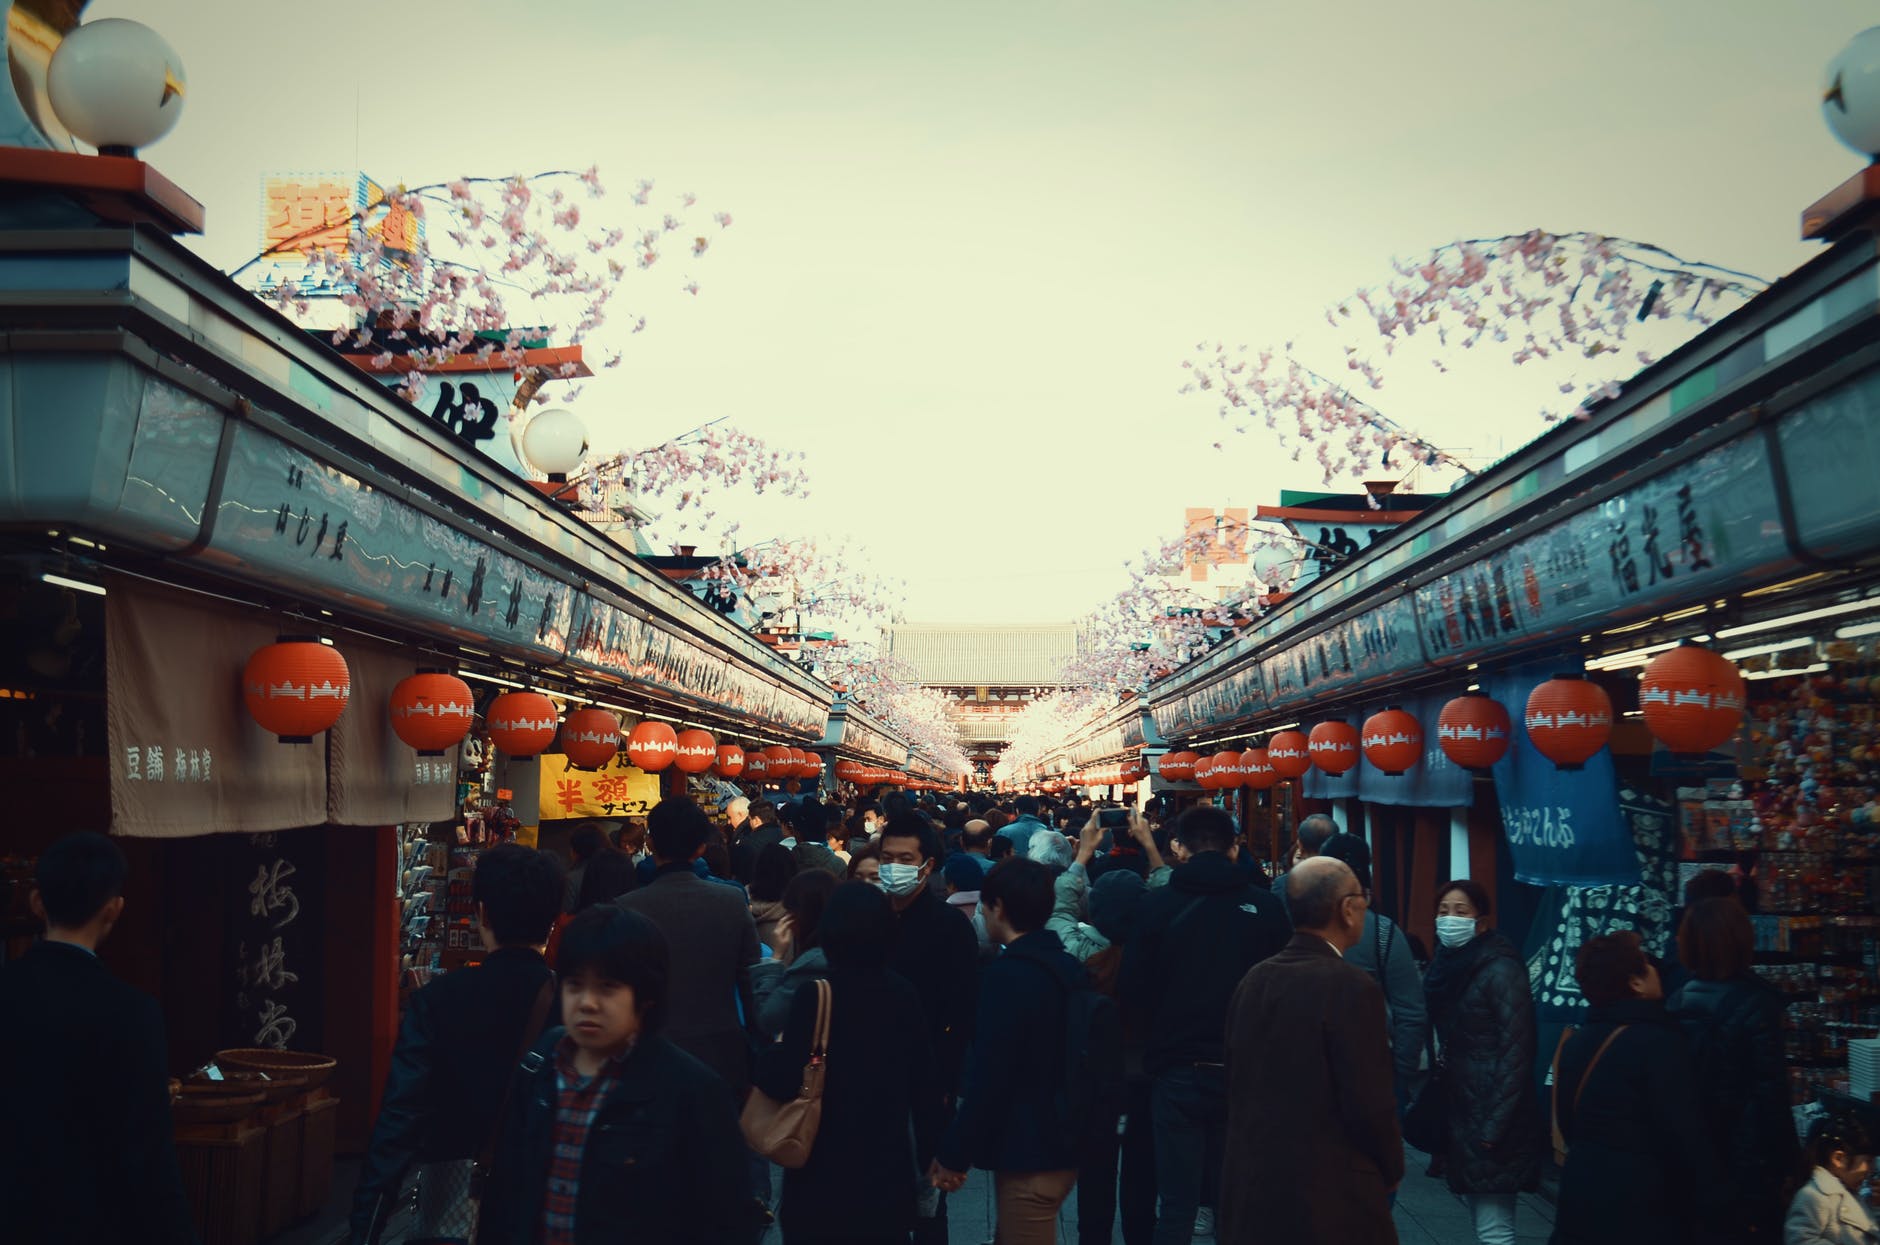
column 619, row 790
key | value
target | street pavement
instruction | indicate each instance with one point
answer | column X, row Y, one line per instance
column 1427, row 1214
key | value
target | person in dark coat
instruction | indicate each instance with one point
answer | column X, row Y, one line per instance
column 614, row 1133
column 713, row 944
column 457, row 1047
column 1194, row 940
column 938, row 954
column 1642, row 1168
column 86, row 1156
column 881, row 1099
column 1012, row 1118
column 1733, row 1021
column 1483, row 1013
column 1312, row 1150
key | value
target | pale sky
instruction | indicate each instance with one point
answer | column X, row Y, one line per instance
column 974, row 241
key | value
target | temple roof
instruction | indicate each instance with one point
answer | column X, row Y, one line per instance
column 984, row 654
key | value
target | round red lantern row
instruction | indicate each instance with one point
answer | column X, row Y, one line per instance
column 1568, row 719
column 590, row 738
column 730, row 762
column 652, row 746
column 756, row 765
column 1392, row 740
column 432, row 711
column 1289, row 752
column 522, row 724
column 697, row 751
column 1692, row 699
column 1333, row 746
column 1474, row 730
column 1179, row 766
column 1256, row 769
column 296, row 688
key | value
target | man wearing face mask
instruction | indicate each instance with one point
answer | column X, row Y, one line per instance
column 1312, row 1151
column 938, row 953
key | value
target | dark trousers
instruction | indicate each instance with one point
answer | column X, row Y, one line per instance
column 1190, row 1107
column 1098, row 1179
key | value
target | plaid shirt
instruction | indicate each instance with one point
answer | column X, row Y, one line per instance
column 577, row 1101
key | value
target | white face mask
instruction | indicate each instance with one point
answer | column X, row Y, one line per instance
column 1455, row 931
column 900, row 880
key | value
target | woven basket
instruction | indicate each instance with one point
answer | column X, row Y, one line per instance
column 195, row 1106
column 305, row 1070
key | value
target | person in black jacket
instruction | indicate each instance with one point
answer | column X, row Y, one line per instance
column 456, row 1048
column 614, row 1133
column 1194, row 940
column 1012, row 1119
column 1483, row 1014
column 881, row 1100
column 86, row 1156
column 1733, row 1020
column 1641, row 1168
column 938, row 953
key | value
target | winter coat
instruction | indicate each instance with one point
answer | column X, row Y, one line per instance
column 938, row 953
column 1011, row 1110
column 1194, row 940
column 1642, row 1168
column 880, row 1100
column 1081, row 939
column 1484, row 1017
column 664, row 1162
column 1311, row 1146
column 1384, row 952
column 1825, row 1213
column 456, row 1050
column 1735, row 1032
column 767, row 914
column 775, row 984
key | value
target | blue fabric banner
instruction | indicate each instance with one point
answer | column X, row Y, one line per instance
column 1563, row 826
column 1434, row 782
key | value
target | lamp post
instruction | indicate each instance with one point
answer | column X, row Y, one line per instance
column 117, row 85
column 554, row 443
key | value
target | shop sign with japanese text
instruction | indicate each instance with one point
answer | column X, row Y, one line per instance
column 618, row 790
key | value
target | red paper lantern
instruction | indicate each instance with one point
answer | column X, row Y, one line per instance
column 730, row 762
column 1203, row 773
column 799, row 763
column 1256, row 769
column 1290, row 754
column 1393, row 740
column 432, row 711
column 1569, row 718
column 1334, row 747
column 590, row 737
column 697, row 751
column 652, row 746
column 1692, row 699
column 1178, row 766
column 849, row 771
column 1225, row 775
column 757, row 766
column 813, row 767
column 296, row 688
column 522, row 724
column 1473, row 731
column 782, row 764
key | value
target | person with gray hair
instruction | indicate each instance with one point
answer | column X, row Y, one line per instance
column 1306, row 1050
column 1052, row 850
column 1315, row 830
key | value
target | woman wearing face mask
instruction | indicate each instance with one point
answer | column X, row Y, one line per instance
column 1483, row 1015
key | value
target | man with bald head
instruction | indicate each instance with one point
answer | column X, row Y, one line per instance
column 1313, row 1151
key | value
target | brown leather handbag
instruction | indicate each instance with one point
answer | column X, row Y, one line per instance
column 785, row 1132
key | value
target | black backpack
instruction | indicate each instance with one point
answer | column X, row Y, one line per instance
column 1090, row 1090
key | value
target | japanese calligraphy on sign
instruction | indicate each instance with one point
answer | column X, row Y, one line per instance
column 272, row 945
column 619, row 790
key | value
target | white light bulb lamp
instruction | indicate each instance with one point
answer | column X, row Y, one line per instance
column 1850, row 96
column 554, row 443
column 117, row 85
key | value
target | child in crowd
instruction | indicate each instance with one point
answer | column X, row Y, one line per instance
column 1827, row 1209
column 610, row 1130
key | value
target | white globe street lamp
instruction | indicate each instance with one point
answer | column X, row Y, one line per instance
column 554, row 442
column 1850, row 100
column 117, row 85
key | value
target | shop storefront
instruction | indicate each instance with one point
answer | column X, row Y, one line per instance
column 1720, row 499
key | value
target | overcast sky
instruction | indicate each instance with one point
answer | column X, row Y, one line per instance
column 974, row 241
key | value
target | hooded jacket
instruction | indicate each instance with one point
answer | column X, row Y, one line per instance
column 1194, row 940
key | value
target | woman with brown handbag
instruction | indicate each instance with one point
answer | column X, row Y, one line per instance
column 879, row 1088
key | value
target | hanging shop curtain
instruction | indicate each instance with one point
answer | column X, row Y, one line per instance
column 374, row 777
column 1563, row 826
column 186, row 758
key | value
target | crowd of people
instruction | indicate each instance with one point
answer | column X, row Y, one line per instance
column 1073, row 999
